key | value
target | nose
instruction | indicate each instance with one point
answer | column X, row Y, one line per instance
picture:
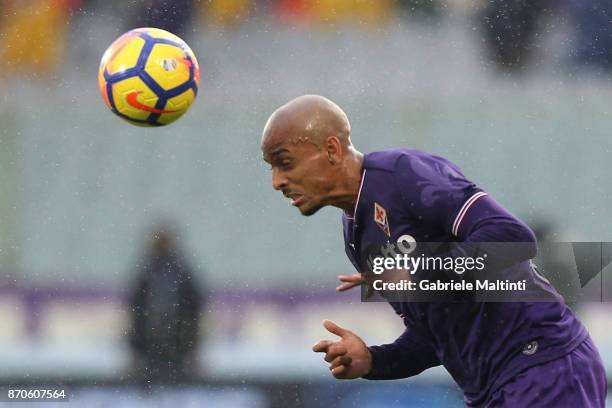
column 278, row 180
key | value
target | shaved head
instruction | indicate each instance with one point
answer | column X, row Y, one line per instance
column 311, row 118
column 307, row 144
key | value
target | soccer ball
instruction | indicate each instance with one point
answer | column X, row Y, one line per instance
column 149, row 77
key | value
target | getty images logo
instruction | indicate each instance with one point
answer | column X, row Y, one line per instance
column 405, row 244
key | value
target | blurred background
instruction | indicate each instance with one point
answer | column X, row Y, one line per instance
column 157, row 267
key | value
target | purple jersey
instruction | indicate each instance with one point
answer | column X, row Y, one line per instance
column 407, row 194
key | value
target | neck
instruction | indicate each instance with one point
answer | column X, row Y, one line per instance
column 345, row 195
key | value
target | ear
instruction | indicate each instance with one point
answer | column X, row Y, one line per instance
column 333, row 149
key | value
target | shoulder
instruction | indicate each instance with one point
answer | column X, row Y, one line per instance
column 406, row 160
column 419, row 176
column 385, row 160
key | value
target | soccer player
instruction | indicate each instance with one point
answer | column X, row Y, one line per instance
column 502, row 354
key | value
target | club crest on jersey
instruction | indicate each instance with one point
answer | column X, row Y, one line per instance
column 380, row 217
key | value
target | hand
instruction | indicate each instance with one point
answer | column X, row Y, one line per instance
column 349, row 281
column 348, row 357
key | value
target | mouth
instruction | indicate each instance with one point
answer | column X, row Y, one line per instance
column 296, row 199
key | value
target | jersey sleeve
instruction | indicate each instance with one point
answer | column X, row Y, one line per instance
column 409, row 355
column 435, row 191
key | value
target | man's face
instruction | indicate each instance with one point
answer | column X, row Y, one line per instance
column 302, row 172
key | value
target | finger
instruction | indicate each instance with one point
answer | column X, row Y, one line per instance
column 354, row 278
column 334, row 328
column 340, row 360
column 322, row 346
column 336, row 350
column 346, row 286
column 340, row 371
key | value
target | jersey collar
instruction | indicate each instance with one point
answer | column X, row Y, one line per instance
column 354, row 215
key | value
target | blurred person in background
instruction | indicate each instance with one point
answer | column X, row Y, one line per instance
column 165, row 309
column 420, row 8
column 593, row 21
column 334, row 13
column 510, row 29
column 174, row 16
column 226, row 14
column 34, row 36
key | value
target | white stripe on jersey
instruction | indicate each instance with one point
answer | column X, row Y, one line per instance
column 466, row 206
